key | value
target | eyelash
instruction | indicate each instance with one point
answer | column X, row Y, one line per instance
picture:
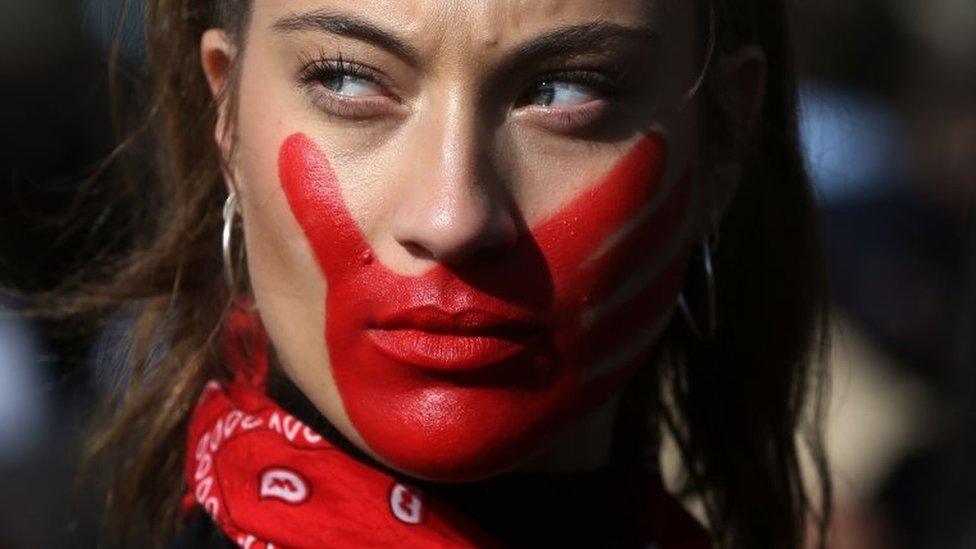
column 319, row 69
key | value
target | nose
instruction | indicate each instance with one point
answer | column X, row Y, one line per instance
column 455, row 206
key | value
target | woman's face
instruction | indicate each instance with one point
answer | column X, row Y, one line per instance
column 466, row 222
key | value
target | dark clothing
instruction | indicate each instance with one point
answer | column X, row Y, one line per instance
column 200, row 532
column 520, row 510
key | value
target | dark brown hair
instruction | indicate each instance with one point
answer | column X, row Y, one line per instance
column 742, row 406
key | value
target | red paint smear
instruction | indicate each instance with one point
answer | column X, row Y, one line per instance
column 457, row 426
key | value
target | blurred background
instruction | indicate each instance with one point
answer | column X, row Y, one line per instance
column 888, row 122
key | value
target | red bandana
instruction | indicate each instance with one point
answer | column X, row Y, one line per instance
column 269, row 481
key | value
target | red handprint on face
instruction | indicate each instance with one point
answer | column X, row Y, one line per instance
column 562, row 318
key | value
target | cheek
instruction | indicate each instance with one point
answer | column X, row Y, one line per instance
column 289, row 290
column 277, row 253
column 631, row 216
column 282, row 270
column 617, row 256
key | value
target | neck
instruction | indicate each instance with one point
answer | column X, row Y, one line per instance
column 584, row 446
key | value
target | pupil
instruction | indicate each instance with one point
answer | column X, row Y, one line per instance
column 545, row 93
column 336, row 82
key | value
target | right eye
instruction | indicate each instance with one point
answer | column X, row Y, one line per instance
column 352, row 85
column 347, row 90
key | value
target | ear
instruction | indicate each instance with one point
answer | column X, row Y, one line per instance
column 216, row 59
column 738, row 89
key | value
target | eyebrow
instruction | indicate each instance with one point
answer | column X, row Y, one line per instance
column 350, row 26
column 585, row 37
column 561, row 41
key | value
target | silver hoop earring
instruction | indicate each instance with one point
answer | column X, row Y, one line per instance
column 230, row 211
column 711, row 321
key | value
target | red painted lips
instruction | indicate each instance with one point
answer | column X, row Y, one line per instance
column 433, row 338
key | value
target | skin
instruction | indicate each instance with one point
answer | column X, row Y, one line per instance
column 448, row 150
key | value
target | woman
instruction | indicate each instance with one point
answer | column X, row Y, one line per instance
column 478, row 259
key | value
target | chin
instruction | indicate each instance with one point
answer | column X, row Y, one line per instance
column 471, row 434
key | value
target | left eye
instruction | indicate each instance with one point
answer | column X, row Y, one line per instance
column 557, row 93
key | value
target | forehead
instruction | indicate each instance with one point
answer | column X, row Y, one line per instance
column 479, row 25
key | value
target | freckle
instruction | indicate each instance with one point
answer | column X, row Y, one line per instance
column 366, row 257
